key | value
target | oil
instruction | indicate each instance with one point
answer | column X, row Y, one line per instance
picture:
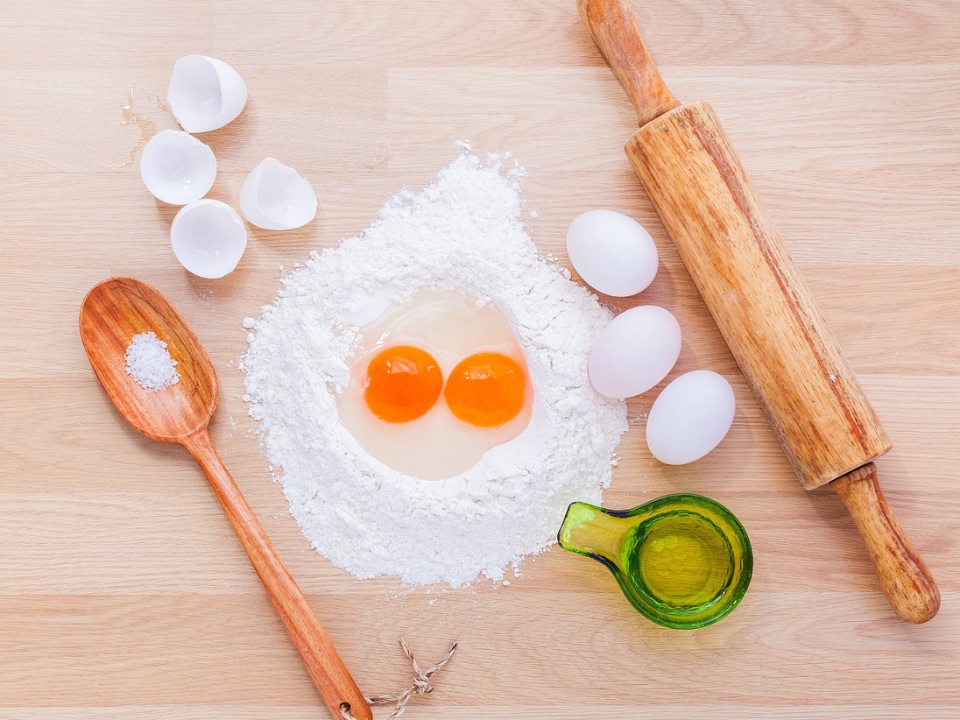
column 682, row 560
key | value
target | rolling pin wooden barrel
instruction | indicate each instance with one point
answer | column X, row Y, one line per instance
column 766, row 314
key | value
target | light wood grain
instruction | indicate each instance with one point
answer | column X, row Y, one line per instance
column 123, row 592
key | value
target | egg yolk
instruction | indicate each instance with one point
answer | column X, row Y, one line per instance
column 486, row 389
column 403, row 383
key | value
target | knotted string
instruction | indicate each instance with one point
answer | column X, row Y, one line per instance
column 421, row 684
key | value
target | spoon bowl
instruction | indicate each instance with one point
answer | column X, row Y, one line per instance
column 114, row 312
column 111, row 314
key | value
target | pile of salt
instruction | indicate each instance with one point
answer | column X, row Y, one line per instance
column 149, row 362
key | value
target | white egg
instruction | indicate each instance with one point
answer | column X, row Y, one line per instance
column 205, row 93
column 177, row 168
column 276, row 197
column 613, row 253
column 208, row 238
column 634, row 352
column 690, row 418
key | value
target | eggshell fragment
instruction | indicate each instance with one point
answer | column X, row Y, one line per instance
column 690, row 418
column 634, row 352
column 208, row 238
column 177, row 168
column 205, row 93
column 276, row 197
column 613, row 253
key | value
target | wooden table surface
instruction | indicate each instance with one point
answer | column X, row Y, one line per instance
column 123, row 593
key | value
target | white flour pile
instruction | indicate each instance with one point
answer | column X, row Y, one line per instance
column 463, row 234
column 149, row 362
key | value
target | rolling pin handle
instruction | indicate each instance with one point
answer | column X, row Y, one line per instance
column 614, row 30
column 904, row 577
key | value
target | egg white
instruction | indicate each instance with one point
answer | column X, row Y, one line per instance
column 450, row 326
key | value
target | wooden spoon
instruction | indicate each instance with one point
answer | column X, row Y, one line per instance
column 112, row 313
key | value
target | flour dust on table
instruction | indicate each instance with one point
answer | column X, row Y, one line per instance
column 461, row 235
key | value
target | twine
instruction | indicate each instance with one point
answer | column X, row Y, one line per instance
column 421, row 685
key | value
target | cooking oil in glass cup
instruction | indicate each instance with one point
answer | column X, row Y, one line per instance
column 684, row 561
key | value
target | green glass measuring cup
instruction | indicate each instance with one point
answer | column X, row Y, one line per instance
column 684, row 561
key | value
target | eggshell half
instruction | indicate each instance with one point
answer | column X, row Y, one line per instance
column 177, row 168
column 276, row 197
column 205, row 93
column 208, row 238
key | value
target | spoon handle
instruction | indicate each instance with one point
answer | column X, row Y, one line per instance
column 329, row 674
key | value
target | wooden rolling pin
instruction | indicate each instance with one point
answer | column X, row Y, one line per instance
column 764, row 310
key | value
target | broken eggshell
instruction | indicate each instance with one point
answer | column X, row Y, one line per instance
column 208, row 238
column 277, row 197
column 205, row 93
column 177, row 168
